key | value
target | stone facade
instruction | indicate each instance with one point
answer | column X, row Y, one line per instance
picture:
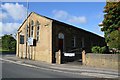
column 83, row 39
column 52, row 36
column 43, row 49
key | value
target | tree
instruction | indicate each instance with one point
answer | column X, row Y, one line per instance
column 8, row 43
column 111, row 23
column 115, row 39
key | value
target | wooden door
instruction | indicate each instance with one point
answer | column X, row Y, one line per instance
column 60, row 44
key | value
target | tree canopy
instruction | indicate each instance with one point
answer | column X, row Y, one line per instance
column 115, row 39
column 8, row 43
column 111, row 24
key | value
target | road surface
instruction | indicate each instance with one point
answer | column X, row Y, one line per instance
column 12, row 70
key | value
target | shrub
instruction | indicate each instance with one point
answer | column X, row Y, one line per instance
column 96, row 49
column 103, row 49
column 100, row 50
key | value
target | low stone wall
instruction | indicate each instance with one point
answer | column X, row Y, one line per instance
column 110, row 61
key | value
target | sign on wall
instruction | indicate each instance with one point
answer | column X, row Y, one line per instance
column 30, row 41
column 69, row 54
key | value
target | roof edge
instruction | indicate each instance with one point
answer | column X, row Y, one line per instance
column 69, row 25
column 58, row 22
column 24, row 21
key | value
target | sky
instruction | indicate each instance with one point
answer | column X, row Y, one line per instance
column 85, row 15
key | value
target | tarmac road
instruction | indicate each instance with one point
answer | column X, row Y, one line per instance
column 11, row 70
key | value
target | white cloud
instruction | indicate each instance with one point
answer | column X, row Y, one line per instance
column 100, row 15
column 3, row 15
column 9, row 28
column 16, row 11
column 79, row 19
column 12, row 13
column 60, row 14
column 100, row 22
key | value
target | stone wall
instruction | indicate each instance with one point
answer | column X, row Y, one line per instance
column 110, row 61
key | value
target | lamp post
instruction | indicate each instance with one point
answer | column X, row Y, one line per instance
column 27, row 29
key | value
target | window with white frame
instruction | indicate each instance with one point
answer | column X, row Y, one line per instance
column 37, row 31
column 32, row 28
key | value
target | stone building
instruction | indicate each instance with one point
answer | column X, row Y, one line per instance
column 40, row 37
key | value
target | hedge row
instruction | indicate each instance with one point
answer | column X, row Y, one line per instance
column 98, row 49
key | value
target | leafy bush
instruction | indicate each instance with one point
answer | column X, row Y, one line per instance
column 104, row 49
column 98, row 49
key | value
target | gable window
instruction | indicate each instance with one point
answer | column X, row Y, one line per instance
column 37, row 31
column 73, row 41
column 32, row 28
column 27, row 31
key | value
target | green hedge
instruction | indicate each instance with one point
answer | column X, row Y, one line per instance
column 98, row 49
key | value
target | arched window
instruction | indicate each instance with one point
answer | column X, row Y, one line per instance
column 61, row 36
column 38, row 29
column 32, row 28
column 27, row 31
column 32, row 22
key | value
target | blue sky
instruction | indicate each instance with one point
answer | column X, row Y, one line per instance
column 85, row 15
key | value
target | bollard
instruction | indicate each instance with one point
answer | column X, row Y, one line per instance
column 83, row 57
column 58, row 57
